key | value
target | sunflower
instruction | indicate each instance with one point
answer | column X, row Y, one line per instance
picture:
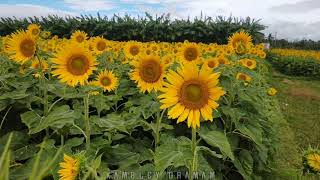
column 99, row 45
column 262, row 54
column 21, row 46
column 132, row 49
column 223, row 60
column 79, row 36
column 249, row 63
column 313, row 161
column 167, row 59
column 69, row 168
column 189, row 52
column 243, row 77
column 190, row 92
column 34, row 29
column 272, row 91
column 73, row 64
column 36, row 64
column 46, row 34
column 107, row 80
column 211, row 63
column 148, row 73
column 240, row 38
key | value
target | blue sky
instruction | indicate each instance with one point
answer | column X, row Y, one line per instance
column 290, row 19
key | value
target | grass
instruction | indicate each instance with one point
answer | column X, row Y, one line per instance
column 299, row 99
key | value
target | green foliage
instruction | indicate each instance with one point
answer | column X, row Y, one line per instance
column 148, row 28
column 296, row 66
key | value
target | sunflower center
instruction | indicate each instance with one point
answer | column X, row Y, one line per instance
column 150, row 71
column 80, row 38
column 35, row 31
column 101, row 45
column 249, row 63
column 134, row 50
column 105, row 81
column 78, row 65
column 211, row 64
column 242, row 77
column 27, row 47
column 194, row 94
column 221, row 61
column 190, row 54
column 148, row 52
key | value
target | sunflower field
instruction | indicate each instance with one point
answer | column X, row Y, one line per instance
column 296, row 62
column 91, row 108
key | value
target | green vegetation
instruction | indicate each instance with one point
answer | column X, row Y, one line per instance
column 162, row 28
column 299, row 99
column 296, row 66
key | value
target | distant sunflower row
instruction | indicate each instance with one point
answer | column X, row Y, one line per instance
column 297, row 53
column 183, row 72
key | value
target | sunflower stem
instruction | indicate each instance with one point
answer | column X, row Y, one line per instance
column 193, row 166
column 158, row 128
column 45, row 92
column 86, row 120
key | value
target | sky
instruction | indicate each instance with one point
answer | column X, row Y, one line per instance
column 288, row 19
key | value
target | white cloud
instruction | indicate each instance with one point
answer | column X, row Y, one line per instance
column 90, row 5
column 27, row 10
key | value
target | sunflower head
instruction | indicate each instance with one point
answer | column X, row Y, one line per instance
column 73, row 64
column 272, row 91
column 46, row 34
column 249, row 63
column 107, row 80
column 21, row 46
column 243, row 77
column 190, row 93
column 34, row 29
column 79, row 36
column 241, row 37
column 39, row 64
column 189, row 52
column 211, row 63
column 99, row 45
column 69, row 168
column 132, row 49
column 148, row 73
column 223, row 60
column 311, row 160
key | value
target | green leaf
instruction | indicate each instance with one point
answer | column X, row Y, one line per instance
column 111, row 122
column 57, row 118
column 244, row 164
column 217, row 139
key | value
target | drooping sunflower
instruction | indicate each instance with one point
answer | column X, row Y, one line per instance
column 240, row 37
column 107, row 80
column 191, row 93
column 69, row 168
column 189, row 52
column 243, row 77
column 148, row 73
column 132, row 49
column 73, row 64
column 211, row 63
column 249, row 63
column 34, row 29
column 79, row 36
column 99, row 45
column 21, row 46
